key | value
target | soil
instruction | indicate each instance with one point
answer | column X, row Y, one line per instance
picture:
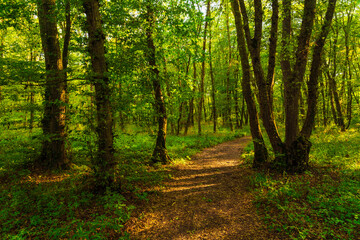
column 208, row 198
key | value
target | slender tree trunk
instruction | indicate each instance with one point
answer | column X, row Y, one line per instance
column 324, row 111
column 104, row 161
column 236, row 99
column 254, row 46
column 227, row 114
column 339, row 116
column 242, row 112
column 315, row 71
column 32, row 102
column 190, row 111
column 179, row 119
column 348, row 69
column 201, row 89
column 160, row 152
column 182, row 103
column 270, row 78
column 53, row 153
column 260, row 150
column 65, row 59
column 31, row 97
column 213, row 89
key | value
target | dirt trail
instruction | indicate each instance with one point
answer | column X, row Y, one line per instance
column 208, row 198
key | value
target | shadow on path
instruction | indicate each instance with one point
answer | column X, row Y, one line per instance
column 206, row 199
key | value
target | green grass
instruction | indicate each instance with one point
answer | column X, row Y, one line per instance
column 62, row 205
column 322, row 203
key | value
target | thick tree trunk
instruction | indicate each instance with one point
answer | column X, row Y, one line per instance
column 160, row 154
column 53, row 153
column 294, row 78
column 104, row 161
column 260, row 150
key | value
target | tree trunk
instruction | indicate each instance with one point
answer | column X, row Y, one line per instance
column 201, row 89
column 254, row 46
column 213, row 90
column 324, row 110
column 260, row 150
column 53, row 153
column 294, row 77
column 236, row 99
column 315, row 73
column 104, row 161
column 339, row 115
column 242, row 112
column 160, row 154
column 227, row 114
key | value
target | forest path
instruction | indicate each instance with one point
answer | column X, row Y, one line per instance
column 208, row 198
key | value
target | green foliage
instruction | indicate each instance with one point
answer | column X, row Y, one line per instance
column 324, row 202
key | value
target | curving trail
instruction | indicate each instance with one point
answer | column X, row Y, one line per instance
column 208, row 198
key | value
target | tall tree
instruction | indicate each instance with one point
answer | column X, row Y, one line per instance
column 294, row 153
column 202, row 80
column 227, row 114
column 213, row 89
column 160, row 153
column 103, row 162
column 53, row 153
column 260, row 150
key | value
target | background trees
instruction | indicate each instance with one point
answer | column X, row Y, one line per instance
column 190, row 48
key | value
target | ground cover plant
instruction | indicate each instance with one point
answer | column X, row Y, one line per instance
column 323, row 202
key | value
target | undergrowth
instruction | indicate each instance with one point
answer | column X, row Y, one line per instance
column 322, row 203
column 62, row 205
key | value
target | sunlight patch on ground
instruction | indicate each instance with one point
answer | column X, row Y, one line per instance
column 182, row 188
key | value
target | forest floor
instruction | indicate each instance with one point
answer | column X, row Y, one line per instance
column 207, row 198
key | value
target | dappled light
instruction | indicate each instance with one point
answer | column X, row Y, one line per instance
column 179, row 119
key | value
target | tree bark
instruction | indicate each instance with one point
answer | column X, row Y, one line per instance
column 53, row 153
column 292, row 82
column 339, row 115
column 236, row 99
column 315, row 71
column 201, row 89
column 254, row 46
column 104, row 161
column 227, row 114
column 260, row 150
column 213, row 89
column 270, row 78
column 160, row 154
